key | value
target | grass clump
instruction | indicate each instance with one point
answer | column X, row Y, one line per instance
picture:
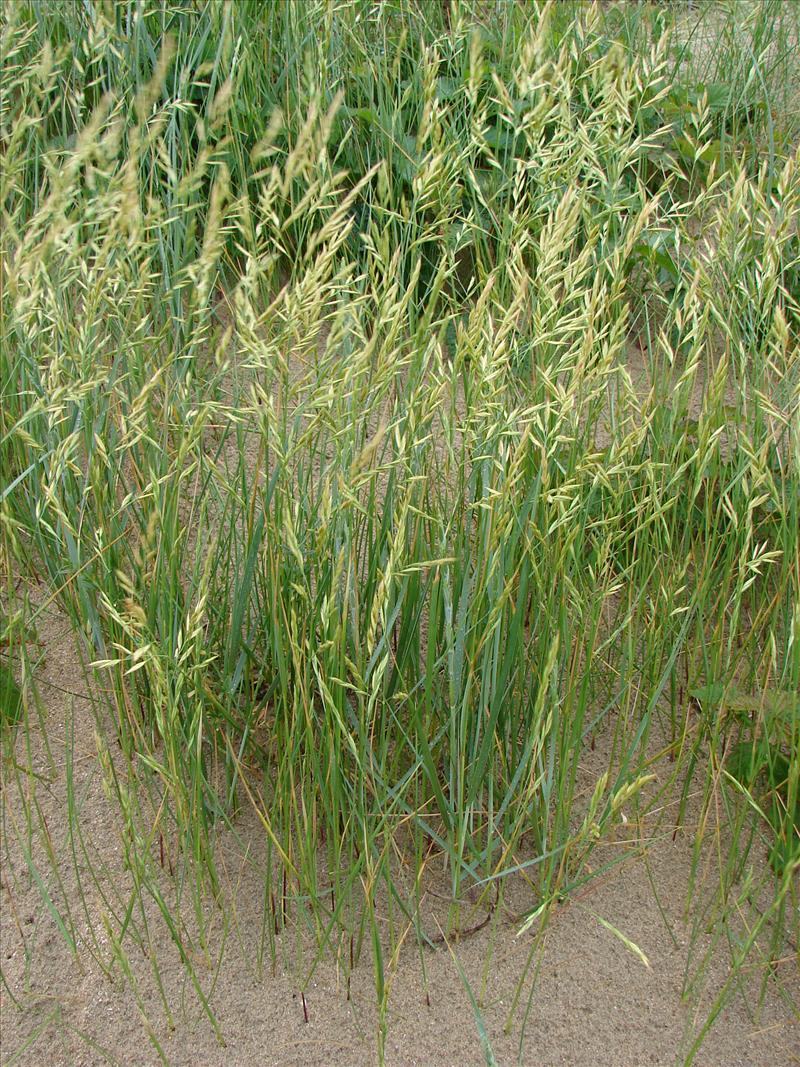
column 390, row 417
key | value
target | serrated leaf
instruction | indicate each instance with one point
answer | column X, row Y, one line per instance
column 746, row 761
column 781, row 702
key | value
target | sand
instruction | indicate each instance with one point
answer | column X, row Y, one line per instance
column 593, row 1000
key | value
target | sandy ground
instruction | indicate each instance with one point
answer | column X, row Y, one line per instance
column 586, row 1000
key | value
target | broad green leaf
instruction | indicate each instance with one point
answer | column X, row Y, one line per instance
column 10, row 697
column 779, row 702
